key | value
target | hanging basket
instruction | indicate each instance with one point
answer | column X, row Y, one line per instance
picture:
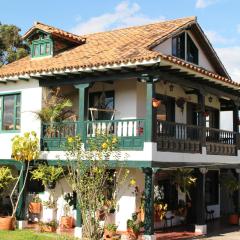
column 155, row 102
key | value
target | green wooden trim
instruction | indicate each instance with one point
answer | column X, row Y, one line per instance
column 12, row 162
column 15, row 94
column 79, row 216
column 38, row 44
column 111, row 163
column 149, row 112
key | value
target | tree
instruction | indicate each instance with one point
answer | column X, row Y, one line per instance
column 12, row 47
column 24, row 149
column 95, row 184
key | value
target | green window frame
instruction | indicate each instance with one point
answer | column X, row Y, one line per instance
column 42, row 48
column 10, row 119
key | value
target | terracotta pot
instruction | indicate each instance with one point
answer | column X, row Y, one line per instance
column 66, row 222
column 131, row 234
column 109, row 234
column 142, row 215
column 156, row 102
column 46, row 228
column 7, row 223
column 233, row 219
column 35, row 208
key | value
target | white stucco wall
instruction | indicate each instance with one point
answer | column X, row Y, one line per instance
column 31, row 101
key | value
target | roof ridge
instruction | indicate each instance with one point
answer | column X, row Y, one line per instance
column 191, row 18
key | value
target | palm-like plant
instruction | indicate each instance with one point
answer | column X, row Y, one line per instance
column 56, row 108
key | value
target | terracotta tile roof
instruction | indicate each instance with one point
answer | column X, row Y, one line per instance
column 55, row 32
column 128, row 45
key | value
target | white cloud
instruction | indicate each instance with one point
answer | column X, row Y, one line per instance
column 216, row 38
column 238, row 28
column 230, row 58
column 204, row 3
column 123, row 15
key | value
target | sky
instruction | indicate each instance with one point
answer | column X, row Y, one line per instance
column 219, row 18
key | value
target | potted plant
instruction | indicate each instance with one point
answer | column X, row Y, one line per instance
column 50, row 226
column 180, row 103
column 66, row 220
column 6, row 178
column 49, row 175
column 35, row 206
column 181, row 210
column 231, row 184
column 134, row 226
column 49, row 209
column 110, row 230
column 24, row 149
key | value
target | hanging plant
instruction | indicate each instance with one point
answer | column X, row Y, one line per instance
column 156, row 103
column 180, row 103
column 184, row 179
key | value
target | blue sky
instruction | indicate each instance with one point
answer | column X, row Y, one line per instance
column 219, row 18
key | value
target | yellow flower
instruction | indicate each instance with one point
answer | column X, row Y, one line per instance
column 114, row 140
column 133, row 182
column 70, row 139
column 104, row 145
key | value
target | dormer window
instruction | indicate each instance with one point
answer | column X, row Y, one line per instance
column 183, row 47
column 42, row 47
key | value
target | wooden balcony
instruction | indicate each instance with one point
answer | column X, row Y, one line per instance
column 131, row 133
column 178, row 137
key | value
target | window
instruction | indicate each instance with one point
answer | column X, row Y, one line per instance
column 183, row 47
column 178, row 46
column 102, row 100
column 211, row 187
column 41, row 48
column 10, row 110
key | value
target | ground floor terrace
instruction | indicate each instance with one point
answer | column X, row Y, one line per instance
column 160, row 197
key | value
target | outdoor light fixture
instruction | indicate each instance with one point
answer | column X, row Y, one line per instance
column 210, row 99
column 171, row 88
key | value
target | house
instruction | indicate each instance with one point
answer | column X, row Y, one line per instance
column 171, row 63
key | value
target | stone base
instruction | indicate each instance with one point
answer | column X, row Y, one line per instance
column 149, row 237
column 202, row 229
column 21, row 224
column 78, row 232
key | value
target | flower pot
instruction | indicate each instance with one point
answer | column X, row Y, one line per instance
column 156, row 102
column 51, row 185
column 234, row 219
column 109, row 234
column 131, row 234
column 66, row 222
column 35, row 207
column 46, row 228
column 7, row 223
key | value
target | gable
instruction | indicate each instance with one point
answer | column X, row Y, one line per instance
column 166, row 47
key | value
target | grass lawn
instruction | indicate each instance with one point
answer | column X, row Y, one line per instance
column 30, row 235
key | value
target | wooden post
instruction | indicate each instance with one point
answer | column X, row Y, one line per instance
column 236, row 125
column 149, row 202
column 202, row 118
column 83, row 109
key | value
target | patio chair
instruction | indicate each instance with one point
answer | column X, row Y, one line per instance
column 209, row 214
column 168, row 219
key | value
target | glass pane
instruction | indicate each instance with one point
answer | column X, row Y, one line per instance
column 17, row 124
column 48, row 48
column 192, row 51
column 35, row 50
column 42, row 49
column 8, row 113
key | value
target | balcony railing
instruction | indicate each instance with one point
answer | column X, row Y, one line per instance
column 130, row 133
column 221, row 142
column 170, row 136
column 178, row 137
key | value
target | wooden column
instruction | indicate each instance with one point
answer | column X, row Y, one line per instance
column 149, row 202
column 200, row 197
column 202, row 118
column 235, row 124
column 83, row 109
column 150, row 116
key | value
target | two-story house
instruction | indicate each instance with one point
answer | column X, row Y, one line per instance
column 113, row 79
